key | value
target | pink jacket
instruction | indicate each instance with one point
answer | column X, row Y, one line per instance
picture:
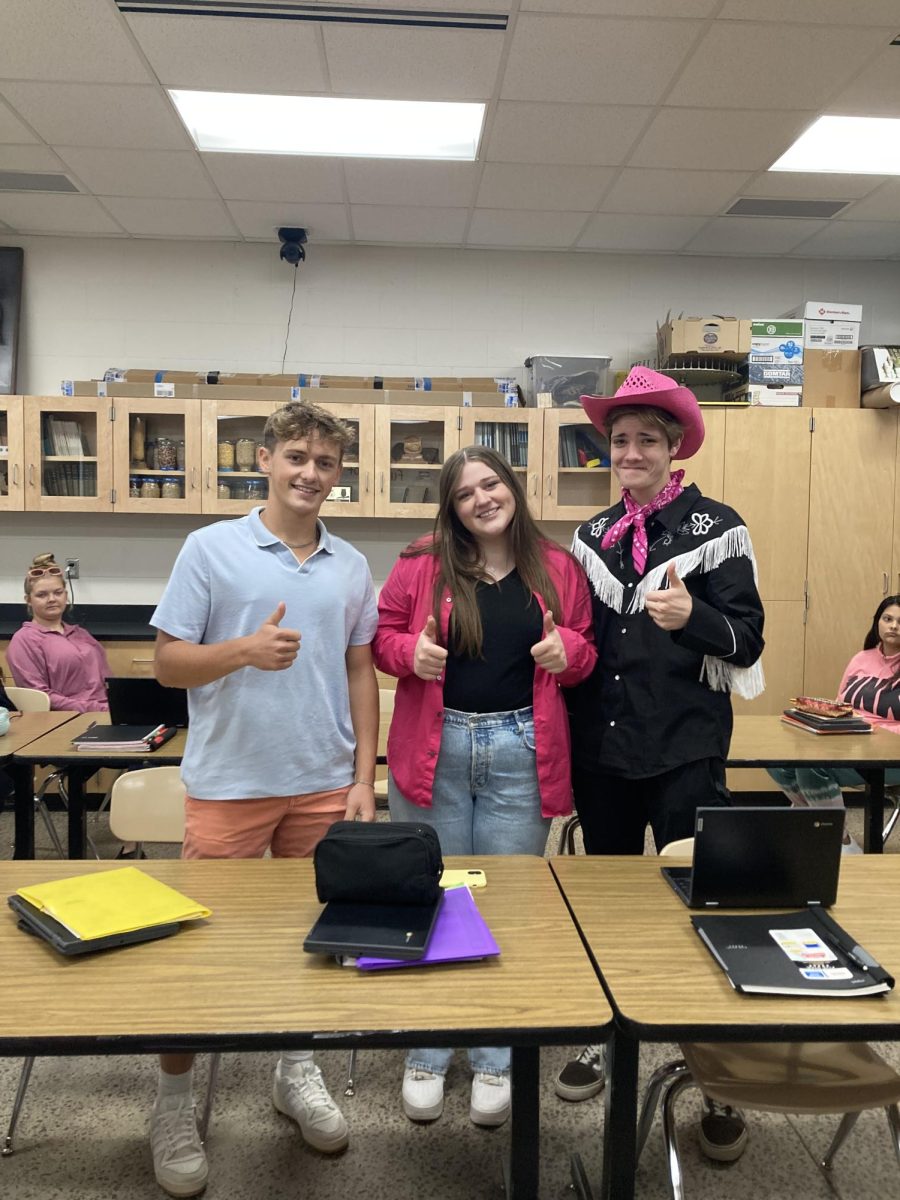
column 405, row 604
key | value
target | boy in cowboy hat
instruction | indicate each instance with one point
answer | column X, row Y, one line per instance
column 678, row 624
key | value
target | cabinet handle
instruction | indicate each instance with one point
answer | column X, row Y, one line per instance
column 31, row 474
column 382, row 482
column 534, row 485
column 142, row 660
column 193, row 479
column 549, row 485
column 885, row 583
column 15, row 474
column 208, row 477
column 367, row 483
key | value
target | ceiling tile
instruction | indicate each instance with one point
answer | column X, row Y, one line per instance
column 676, row 192
column 177, row 174
column 377, row 181
column 232, row 55
column 565, row 59
column 412, row 64
column 44, row 213
column 514, row 185
column 757, row 66
column 538, row 230
column 811, row 185
column 882, row 205
column 624, row 8
column 812, row 12
column 394, row 223
column 171, row 218
column 621, row 231
column 276, row 177
column 875, row 92
column 29, row 158
column 849, row 239
column 98, row 114
column 67, row 39
column 261, row 219
column 721, row 139
column 564, row 133
column 752, row 235
column 12, row 130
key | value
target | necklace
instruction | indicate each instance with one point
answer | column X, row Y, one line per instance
column 302, row 545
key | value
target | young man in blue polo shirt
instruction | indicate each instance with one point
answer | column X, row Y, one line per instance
column 268, row 621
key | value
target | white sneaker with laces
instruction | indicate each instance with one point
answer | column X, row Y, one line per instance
column 490, row 1098
column 423, row 1094
column 179, row 1160
column 300, row 1093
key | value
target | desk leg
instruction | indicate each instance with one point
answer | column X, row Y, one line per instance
column 620, row 1125
column 22, row 775
column 75, row 778
column 525, row 1148
column 874, row 809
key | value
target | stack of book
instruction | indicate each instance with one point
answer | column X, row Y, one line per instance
column 802, row 718
column 118, row 737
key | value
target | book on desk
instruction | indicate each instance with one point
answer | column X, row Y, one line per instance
column 824, row 725
column 142, row 738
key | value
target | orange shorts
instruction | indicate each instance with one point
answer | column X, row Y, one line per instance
column 290, row 825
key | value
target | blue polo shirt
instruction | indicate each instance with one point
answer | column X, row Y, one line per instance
column 269, row 733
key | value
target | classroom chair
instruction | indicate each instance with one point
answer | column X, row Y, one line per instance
column 145, row 806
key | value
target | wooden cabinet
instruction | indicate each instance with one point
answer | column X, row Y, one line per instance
column 228, row 488
column 707, row 467
column 571, row 490
column 355, row 491
column 68, row 454
column 12, row 454
column 166, row 434
column 517, row 434
column 411, row 443
column 129, row 658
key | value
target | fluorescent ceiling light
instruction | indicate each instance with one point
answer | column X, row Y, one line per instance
column 253, row 124
column 846, row 146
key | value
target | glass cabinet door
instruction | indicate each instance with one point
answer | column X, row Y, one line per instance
column 412, row 442
column 68, row 454
column 517, row 434
column 577, row 475
column 12, row 467
column 156, row 456
column 354, row 493
column 232, row 435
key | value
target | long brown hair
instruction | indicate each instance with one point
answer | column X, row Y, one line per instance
column 460, row 559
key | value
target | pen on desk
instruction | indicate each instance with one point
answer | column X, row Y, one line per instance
column 161, row 736
column 838, row 940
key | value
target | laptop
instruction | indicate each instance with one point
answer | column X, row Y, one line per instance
column 759, row 857
column 379, row 930
column 33, row 920
column 145, row 702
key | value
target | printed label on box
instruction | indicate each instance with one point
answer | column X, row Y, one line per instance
column 67, row 387
column 164, row 391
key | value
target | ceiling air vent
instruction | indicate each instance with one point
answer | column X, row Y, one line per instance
column 342, row 14
column 35, row 181
column 752, row 206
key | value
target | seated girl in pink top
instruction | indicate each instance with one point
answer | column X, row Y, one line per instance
column 871, row 683
column 62, row 660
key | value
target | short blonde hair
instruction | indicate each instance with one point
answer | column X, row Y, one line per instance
column 301, row 420
column 649, row 415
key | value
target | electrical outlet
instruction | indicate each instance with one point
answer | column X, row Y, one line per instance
column 72, row 568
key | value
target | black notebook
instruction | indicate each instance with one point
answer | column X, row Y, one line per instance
column 802, row 953
column 378, row 930
column 116, row 737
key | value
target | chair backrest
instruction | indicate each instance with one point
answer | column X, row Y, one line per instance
column 681, row 848
column 148, row 806
column 29, row 699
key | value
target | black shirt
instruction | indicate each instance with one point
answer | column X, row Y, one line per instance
column 502, row 680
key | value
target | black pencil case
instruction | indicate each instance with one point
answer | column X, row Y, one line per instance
column 380, row 862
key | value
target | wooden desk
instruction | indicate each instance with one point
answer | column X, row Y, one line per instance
column 766, row 741
column 22, row 730
column 56, row 747
column 240, row 981
column 666, row 987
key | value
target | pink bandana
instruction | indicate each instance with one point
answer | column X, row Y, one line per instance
column 636, row 515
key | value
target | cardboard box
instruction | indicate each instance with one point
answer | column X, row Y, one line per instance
column 788, row 375
column 831, row 335
column 724, row 337
column 776, row 342
column 827, row 310
column 761, row 395
column 831, row 379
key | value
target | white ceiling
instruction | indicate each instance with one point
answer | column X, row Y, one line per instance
column 612, row 125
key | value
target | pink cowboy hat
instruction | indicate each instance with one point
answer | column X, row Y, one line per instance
column 644, row 387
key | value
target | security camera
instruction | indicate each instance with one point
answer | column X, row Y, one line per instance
column 292, row 243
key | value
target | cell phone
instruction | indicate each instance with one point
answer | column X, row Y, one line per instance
column 463, row 878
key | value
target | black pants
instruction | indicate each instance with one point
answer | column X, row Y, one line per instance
column 615, row 812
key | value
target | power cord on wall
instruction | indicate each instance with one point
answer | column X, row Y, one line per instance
column 287, row 333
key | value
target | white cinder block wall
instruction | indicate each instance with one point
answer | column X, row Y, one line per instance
column 90, row 304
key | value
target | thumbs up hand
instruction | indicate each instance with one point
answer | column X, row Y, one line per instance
column 429, row 658
column 670, row 607
column 549, row 652
column 272, row 648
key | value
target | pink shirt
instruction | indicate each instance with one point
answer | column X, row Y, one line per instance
column 405, row 604
column 70, row 666
column 871, row 683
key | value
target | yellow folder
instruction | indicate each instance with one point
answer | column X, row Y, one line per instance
column 108, row 902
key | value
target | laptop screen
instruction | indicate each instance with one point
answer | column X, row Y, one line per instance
column 145, row 702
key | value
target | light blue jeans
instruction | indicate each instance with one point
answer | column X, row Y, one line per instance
column 485, row 800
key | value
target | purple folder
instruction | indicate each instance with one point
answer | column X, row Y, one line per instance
column 459, row 933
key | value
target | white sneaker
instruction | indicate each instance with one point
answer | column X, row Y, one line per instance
column 423, row 1094
column 300, row 1093
column 851, row 846
column 179, row 1160
column 490, row 1098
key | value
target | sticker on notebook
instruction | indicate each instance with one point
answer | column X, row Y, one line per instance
column 834, row 974
column 802, row 945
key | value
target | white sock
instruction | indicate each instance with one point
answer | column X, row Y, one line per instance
column 290, row 1059
column 174, row 1087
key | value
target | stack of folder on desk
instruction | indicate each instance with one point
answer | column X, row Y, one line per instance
column 813, row 723
column 460, row 933
column 117, row 737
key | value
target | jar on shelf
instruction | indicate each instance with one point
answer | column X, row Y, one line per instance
column 225, row 454
column 150, row 454
column 223, row 491
column 134, row 486
column 179, row 453
column 137, row 442
column 150, row 488
column 171, row 489
column 245, row 454
column 257, row 490
column 166, row 454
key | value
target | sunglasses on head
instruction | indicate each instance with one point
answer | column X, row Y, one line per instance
column 37, row 572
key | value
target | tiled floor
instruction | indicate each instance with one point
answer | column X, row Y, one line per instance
column 82, row 1134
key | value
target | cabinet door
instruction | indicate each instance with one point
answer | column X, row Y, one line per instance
column 232, row 483
column 129, row 658
column 517, row 434
column 156, row 448
column 707, row 467
column 68, row 454
column 850, row 536
column 571, row 489
column 411, row 443
column 354, row 493
column 12, row 463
